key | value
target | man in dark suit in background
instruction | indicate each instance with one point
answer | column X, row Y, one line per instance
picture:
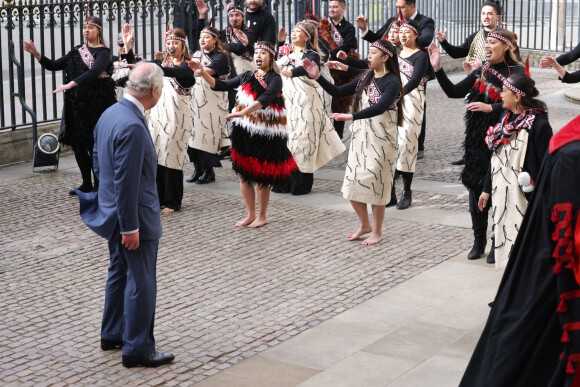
column 407, row 9
column 125, row 211
column 261, row 21
column 185, row 17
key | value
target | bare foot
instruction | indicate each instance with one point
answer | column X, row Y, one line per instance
column 361, row 231
column 373, row 239
column 167, row 210
column 249, row 219
column 259, row 222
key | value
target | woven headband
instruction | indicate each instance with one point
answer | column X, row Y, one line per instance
column 407, row 25
column 264, row 47
column 173, row 37
column 510, row 86
column 383, row 49
column 395, row 27
column 235, row 9
column 92, row 24
column 301, row 27
column 499, row 37
column 311, row 21
column 208, row 31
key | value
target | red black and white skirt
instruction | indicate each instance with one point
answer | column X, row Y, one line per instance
column 259, row 140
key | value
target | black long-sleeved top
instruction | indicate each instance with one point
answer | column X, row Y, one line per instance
column 273, row 80
column 424, row 39
column 537, row 146
column 130, row 57
column 569, row 57
column 420, row 62
column 182, row 73
column 460, row 89
column 219, row 63
column 102, row 63
column 348, row 34
column 299, row 71
column 463, row 50
column 263, row 24
column 388, row 85
column 235, row 47
column 571, row 77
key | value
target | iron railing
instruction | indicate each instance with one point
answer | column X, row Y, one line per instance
column 56, row 26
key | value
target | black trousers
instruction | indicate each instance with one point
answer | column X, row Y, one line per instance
column 170, row 187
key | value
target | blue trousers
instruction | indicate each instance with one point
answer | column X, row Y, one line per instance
column 130, row 296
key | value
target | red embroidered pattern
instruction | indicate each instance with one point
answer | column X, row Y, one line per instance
column 562, row 217
column 407, row 68
column 89, row 59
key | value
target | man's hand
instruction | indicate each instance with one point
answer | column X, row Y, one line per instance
column 130, row 241
column 440, row 36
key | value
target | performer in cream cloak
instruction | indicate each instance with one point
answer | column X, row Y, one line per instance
column 170, row 121
column 519, row 143
column 210, row 109
column 413, row 64
column 373, row 149
column 311, row 135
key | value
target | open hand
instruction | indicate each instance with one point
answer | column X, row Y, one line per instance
column 362, row 21
column 479, row 107
column 335, row 65
column 341, row 55
column 547, row 62
column 195, row 65
column 341, row 117
column 242, row 37
column 64, row 87
column 202, row 8
column 434, row 56
column 440, row 36
column 31, row 48
column 311, row 68
column 282, row 35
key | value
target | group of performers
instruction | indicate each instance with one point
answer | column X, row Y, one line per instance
column 296, row 97
column 286, row 120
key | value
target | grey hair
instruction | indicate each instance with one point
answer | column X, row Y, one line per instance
column 143, row 84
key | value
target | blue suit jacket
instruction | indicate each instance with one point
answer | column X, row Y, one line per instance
column 125, row 162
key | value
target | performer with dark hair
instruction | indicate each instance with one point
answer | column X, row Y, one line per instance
column 482, row 87
column 531, row 337
column 406, row 10
column 311, row 137
column 170, row 121
column 519, row 142
column 259, row 152
column 210, row 109
column 89, row 90
column 260, row 21
column 343, row 38
column 413, row 64
column 473, row 49
column 125, row 60
column 373, row 147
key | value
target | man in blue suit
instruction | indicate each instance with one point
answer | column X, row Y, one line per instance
column 125, row 211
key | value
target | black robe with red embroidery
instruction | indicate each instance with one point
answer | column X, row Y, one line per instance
column 532, row 335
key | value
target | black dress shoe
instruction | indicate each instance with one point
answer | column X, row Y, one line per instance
column 405, row 201
column 207, row 177
column 155, row 359
column 195, row 177
column 107, row 345
column 459, row 162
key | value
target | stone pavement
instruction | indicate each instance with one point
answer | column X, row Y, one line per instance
column 293, row 303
